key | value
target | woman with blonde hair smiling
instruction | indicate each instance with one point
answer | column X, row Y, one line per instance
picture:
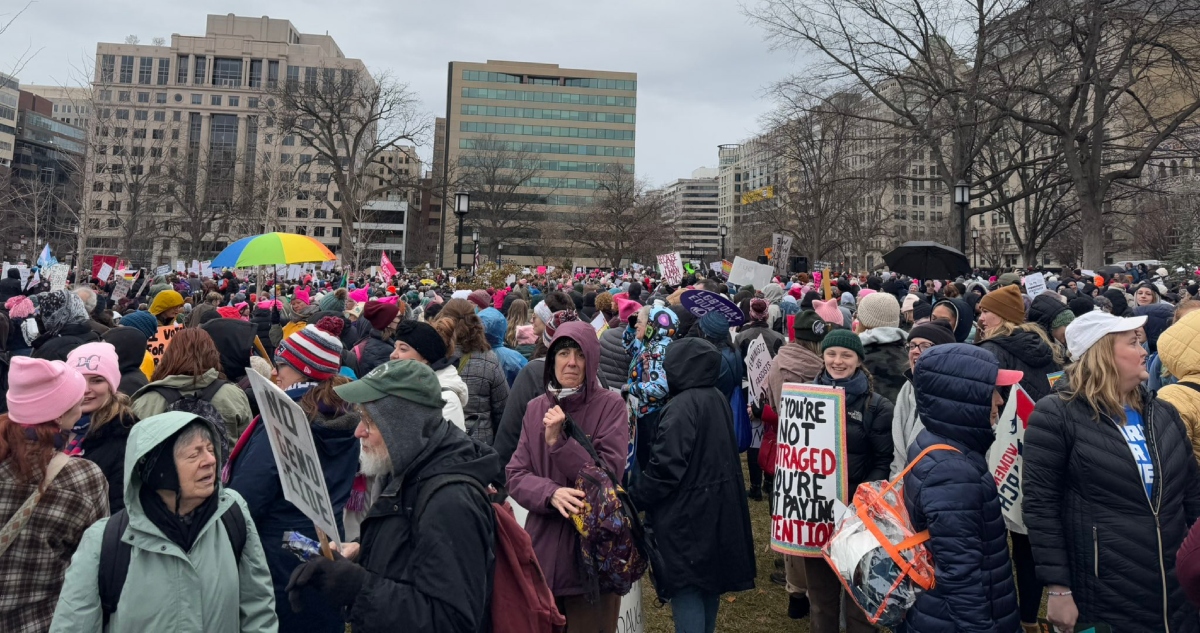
column 1110, row 487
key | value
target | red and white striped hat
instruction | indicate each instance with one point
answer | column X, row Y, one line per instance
column 315, row 351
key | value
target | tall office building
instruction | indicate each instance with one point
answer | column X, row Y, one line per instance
column 531, row 143
column 10, row 92
column 690, row 214
column 192, row 110
column 70, row 104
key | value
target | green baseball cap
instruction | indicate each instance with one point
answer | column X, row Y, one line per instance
column 407, row 379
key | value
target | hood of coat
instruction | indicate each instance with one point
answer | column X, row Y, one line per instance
column 883, row 336
column 773, row 293
column 130, row 345
column 662, row 324
column 494, row 326
column 964, row 317
column 1027, row 346
column 449, row 379
column 1117, row 297
column 181, row 382
column 235, row 342
column 144, row 437
column 954, row 385
column 1158, row 319
column 421, row 443
column 795, row 361
column 691, row 363
column 1043, row 309
column 1179, row 347
column 584, row 336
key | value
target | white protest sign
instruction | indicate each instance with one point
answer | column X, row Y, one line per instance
column 599, row 323
column 1004, row 458
column 716, row 267
column 810, row 468
column 295, row 454
column 106, row 269
column 510, row 280
column 195, row 267
column 58, row 276
column 327, row 266
column 671, row 267
column 1035, row 284
column 781, row 245
column 180, row 265
column 745, row 272
column 206, row 269
column 1087, row 273
column 165, row 269
column 758, row 363
column 121, row 288
column 23, row 271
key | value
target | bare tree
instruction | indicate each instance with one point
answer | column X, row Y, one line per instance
column 6, row 22
column 42, row 207
column 623, row 224
column 1163, row 222
column 1109, row 80
column 348, row 119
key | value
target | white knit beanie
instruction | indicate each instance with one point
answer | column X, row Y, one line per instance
column 879, row 309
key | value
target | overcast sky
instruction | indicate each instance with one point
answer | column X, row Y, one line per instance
column 701, row 66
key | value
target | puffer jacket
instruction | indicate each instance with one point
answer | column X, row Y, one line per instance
column 1179, row 351
column 1091, row 525
column 372, row 352
column 263, row 319
column 868, row 428
column 487, row 391
column 169, row 589
column 1043, row 310
column 647, row 380
column 953, row 495
column 614, row 359
column 105, row 447
column 495, row 326
column 1025, row 351
column 886, row 359
column 692, row 489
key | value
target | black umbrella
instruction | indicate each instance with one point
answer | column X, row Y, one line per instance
column 927, row 260
column 1111, row 270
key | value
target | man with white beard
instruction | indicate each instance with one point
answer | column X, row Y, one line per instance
column 425, row 558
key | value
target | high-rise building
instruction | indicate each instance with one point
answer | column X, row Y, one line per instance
column 690, row 214
column 10, row 93
column 531, row 143
column 177, row 130
column 71, row 104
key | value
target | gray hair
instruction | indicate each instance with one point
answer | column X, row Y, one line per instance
column 88, row 296
column 196, row 429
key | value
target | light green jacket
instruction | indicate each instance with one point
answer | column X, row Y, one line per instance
column 230, row 401
column 167, row 589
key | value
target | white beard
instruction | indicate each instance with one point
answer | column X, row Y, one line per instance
column 373, row 465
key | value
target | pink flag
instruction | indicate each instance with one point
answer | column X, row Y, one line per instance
column 386, row 266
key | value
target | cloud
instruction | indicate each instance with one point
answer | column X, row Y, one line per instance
column 701, row 65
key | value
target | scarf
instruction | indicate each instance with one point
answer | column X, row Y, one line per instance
column 181, row 530
column 74, row 446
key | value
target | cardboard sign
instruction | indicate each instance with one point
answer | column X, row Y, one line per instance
column 295, row 453
column 701, row 302
column 745, row 272
column 810, row 468
column 157, row 345
column 781, row 245
column 758, row 364
column 58, row 276
column 1035, row 284
column 106, row 270
column 1005, row 457
column 671, row 267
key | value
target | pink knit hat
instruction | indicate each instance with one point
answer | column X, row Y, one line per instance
column 40, row 391
column 626, row 308
column 302, row 296
column 828, row 311
column 97, row 359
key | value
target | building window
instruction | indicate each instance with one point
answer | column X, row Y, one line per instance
column 310, row 77
column 124, row 96
column 145, row 70
column 227, row 72
column 281, row 212
column 181, row 74
column 319, row 214
column 164, row 70
column 272, row 74
column 293, row 75
column 337, row 231
column 143, row 97
column 126, row 69
column 175, row 116
column 252, row 103
column 197, row 99
column 108, row 64
column 289, row 140
column 318, row 231
column 216, row 100
column 301, row 214
column 122, row 114
column 201, row 71
column 160, row 97
column 141, row 115
column 233, row 102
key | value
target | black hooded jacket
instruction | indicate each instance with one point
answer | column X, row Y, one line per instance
column 431, row 572
column 869, row 444
column 1043, row 310
column 130, row 344
column 964, row 317
column 235, row 342
column 1025, row 351
column 692, row 488
column 10, row 286
column 1117, row 297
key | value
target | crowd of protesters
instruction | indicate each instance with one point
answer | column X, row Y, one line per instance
column 133, row 451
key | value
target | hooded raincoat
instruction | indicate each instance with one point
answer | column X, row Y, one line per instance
column 494, row 328
column 538, row 469
column 203, row 590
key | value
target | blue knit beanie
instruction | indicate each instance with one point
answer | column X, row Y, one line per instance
column 715, row 325
column 142, row 321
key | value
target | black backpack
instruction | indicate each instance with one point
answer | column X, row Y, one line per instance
column 115, row 554
column 198, row 403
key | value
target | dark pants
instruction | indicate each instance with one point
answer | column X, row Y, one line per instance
column 695, row 611
column 1029, row 588
column 647, row 428
column 829, row 600
column 756, row 473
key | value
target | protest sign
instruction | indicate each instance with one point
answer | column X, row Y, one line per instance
column 510, row 280
column 716, row 267
column 671, row 267
column 206, row 269
column 541, row 270
column 826, row 289
column 194, row 267
column 758, row 363
column 122, row 287
column 105, row 270
column 1035, row 284
column 58, row 276
column 165, row 269
column 35, row 280
column 781, row 245
column 701, row 302
column 157, row 345
column 1005, row 456
column 745, row 272
column 99, row 260
column 23, row 271
column 1087, row 273
column 599, row 324
column 180, row 265
column 327, row 266
column 295, row 453
column 810, row 468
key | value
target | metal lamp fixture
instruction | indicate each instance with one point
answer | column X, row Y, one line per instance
column 462, row 204
column 962, row 198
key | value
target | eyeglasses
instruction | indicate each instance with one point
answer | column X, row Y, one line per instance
column 919, row 347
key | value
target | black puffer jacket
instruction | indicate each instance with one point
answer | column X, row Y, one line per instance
column 886, row 359
column 105, row 447
column 372, row 352
column 692, row 488
column 614, row 360
column 1091, row 525
column 130, row 344
column 868, row 428
column 1025, row 351
column 263, row 319
column 1043, row 310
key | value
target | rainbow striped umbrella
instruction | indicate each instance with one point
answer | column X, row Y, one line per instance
column 270, row 249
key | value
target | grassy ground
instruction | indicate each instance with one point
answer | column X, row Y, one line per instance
column 760, row 610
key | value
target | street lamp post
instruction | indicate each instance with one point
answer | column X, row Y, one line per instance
column 462, row 203
column 974, row 249
column 500, row 254
column 475, row 255
column 962, row 197
column 722, row 231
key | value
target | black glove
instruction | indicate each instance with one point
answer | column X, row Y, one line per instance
column 633, row 319
column 339, row 580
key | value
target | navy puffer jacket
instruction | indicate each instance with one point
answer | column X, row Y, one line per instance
column 953, row 495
